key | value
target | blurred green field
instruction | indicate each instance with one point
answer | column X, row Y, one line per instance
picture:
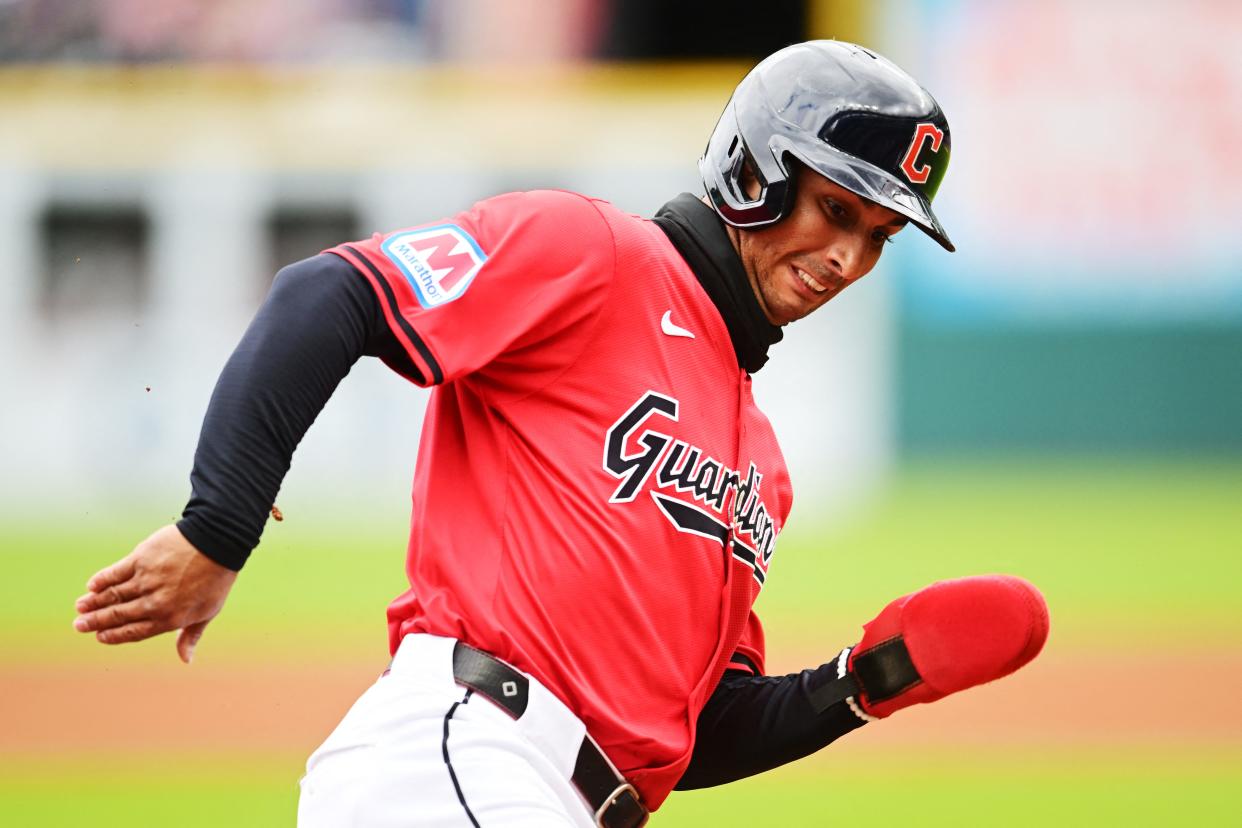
column 1019, row 791
column 1134, row 556
column 1131, row 549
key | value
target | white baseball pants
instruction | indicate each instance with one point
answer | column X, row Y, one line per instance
column 418, row 750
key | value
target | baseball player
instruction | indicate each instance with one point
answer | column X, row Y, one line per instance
column 597, row 499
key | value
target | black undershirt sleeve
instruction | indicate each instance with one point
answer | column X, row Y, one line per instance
column 318, row 319
column 755, row 723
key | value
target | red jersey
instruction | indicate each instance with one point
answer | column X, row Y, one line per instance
column 597, row 497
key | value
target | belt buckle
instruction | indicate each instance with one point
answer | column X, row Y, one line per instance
column 620, row 791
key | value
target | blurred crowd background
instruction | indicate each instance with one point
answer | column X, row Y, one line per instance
column 406, row 31
column 161, row 160
column 1061, row 398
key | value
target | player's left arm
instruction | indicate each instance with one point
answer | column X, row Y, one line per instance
column 316, row 322
column 920, row 648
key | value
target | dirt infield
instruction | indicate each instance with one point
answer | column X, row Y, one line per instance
column 1061, row 699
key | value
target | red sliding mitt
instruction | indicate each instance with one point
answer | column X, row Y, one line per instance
column 945, row 638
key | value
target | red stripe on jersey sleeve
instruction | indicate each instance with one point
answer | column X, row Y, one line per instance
column 420, row 355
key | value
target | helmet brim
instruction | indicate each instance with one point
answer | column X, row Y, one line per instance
column 863, row 179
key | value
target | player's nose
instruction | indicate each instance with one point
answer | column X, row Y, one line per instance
column 842, row 259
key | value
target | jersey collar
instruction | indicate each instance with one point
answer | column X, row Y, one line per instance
column 699, row 236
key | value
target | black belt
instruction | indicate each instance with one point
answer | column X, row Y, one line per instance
column 614, row 800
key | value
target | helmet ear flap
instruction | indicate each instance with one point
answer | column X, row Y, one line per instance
column 738, row 187
column 721, row 167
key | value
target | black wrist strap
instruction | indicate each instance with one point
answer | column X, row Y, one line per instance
column 885, row 670
column 882, row 672
column 834, row 692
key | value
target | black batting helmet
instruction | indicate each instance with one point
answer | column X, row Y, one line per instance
column 843, row 111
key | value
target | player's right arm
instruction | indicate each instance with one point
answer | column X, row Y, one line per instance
column 550, row 258
column 316, row 322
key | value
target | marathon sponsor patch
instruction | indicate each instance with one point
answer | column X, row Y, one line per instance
column 439, row 262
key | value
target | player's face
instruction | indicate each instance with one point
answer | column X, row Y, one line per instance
column 831, row 239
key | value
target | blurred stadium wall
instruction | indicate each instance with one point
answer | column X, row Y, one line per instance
column 1095, row 305
column 159, row 161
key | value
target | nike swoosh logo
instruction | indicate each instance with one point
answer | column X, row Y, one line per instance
column 666, row 325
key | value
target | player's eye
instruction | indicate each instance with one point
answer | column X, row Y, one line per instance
column 880, row 238
column 835, row 209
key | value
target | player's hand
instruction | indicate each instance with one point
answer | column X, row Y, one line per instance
column 164, row 584
column 947, row 637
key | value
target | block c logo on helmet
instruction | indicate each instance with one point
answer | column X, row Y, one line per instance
column 909, row 164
